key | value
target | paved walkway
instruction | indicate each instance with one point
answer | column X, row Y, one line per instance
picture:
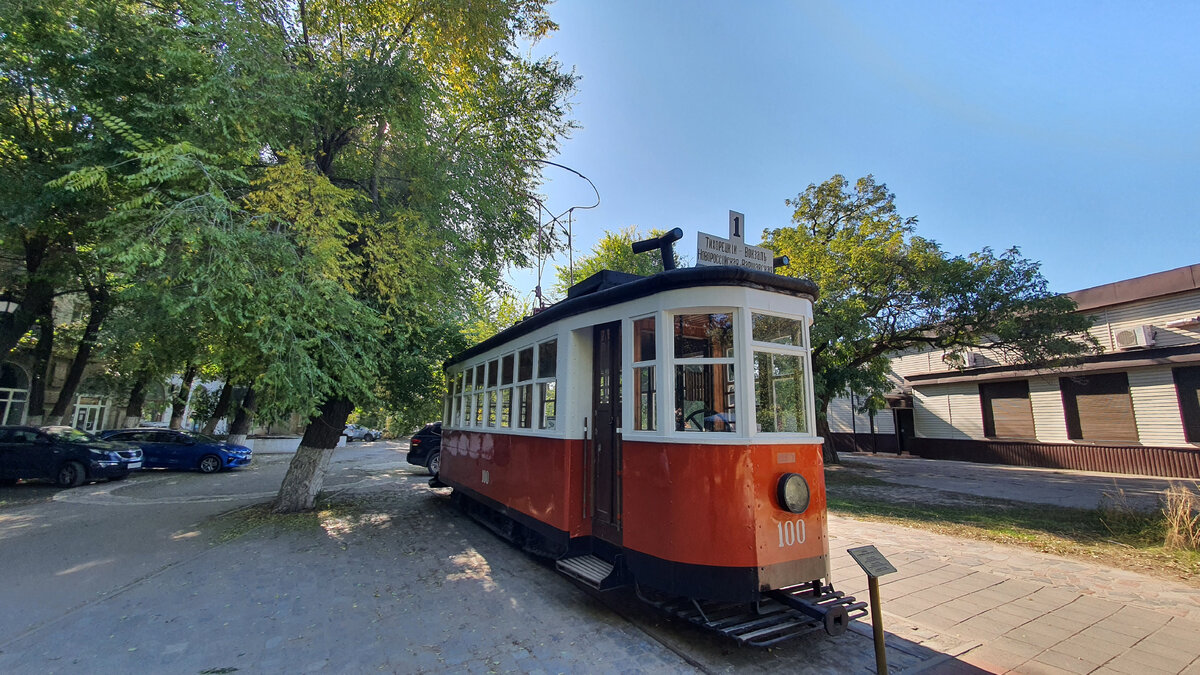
column 1016, row 610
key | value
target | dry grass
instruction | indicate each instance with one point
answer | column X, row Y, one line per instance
column 1182, row 512
column 1115, row 533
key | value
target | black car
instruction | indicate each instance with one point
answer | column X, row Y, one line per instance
column 425, row 448
column 64, row 455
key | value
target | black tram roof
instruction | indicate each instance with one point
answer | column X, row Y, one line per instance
column 607, row 288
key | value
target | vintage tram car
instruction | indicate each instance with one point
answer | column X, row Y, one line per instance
column 658, row 431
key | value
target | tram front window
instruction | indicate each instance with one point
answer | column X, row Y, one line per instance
column 704, row 381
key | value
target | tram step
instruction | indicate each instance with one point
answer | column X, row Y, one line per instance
column 591, row 570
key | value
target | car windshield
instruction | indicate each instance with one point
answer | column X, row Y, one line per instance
column 69, row 434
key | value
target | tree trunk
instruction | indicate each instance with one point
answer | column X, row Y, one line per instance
column 243, row 419
column 828, row 453
column 42, row 363
column 83, row 354
column 306, row 473
column 37, row 292
column 222, row 408
column 137, row 399
column 181, row 396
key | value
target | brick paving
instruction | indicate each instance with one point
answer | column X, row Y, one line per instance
column 1020, row 611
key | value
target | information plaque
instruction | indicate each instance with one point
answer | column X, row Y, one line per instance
column 871, row 560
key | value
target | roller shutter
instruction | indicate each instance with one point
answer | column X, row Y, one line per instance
column 1098, row 408
column 1187, row 386
column 1007, row 412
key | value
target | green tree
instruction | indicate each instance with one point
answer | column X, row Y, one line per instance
column 299, row 194
column 883, row 289
column 613, row 252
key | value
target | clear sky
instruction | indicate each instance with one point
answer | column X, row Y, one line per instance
column 1068, row 129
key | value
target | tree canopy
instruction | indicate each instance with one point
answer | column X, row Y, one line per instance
column 301, row 195
column 884, row 289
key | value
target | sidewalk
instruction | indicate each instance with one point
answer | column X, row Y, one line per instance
column 1018, row 610
column 1021, row 611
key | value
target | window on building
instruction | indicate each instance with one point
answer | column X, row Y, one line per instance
column 780, row 377
column 645, row 394
column 1187, row 387
column 547, row 368
column 704, row 377
column 1098, row 408
column 1007, row 412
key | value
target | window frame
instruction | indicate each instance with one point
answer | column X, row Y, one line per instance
column 802, row 350
column 671, row 362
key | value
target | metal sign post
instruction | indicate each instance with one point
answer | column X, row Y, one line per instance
column 875, row 565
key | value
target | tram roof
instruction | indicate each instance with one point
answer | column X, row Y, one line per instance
column 607, row 288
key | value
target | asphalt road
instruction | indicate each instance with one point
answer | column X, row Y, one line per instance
column 63, row 548
column 140, row 576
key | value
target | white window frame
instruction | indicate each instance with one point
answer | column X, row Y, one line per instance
column 803, row 351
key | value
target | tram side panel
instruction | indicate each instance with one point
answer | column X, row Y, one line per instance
column 532, row 476
column 704, row 520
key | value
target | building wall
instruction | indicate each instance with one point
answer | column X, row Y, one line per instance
column 844, row 420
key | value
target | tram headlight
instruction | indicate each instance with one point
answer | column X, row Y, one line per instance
column 793, row 493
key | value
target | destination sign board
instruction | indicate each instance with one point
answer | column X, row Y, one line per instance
column 714, row 250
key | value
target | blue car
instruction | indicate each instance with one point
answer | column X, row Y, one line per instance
column 169, row 449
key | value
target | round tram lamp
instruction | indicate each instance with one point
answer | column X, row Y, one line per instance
column 793, row 493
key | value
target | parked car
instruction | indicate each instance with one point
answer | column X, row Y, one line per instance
column 355, row 432
column 170, row 449
column 425, row 448
column 64, row 455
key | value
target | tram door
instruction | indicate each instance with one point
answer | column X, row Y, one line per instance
column 605, row 460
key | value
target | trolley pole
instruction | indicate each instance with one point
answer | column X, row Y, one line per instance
column 875, row 565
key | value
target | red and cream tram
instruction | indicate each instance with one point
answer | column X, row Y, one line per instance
column 658, row 431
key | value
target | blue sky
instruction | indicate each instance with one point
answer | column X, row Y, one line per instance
column 1068, row 129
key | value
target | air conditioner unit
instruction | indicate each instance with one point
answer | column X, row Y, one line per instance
column 1136, row 337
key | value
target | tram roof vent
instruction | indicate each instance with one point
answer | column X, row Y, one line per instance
column 602, row 280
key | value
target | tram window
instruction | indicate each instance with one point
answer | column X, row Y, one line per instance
column 525, row 402
column 645, row 397
column 478, row 408
column 777, row 329
column 506, row 407
column 703, row 336
column 643, row 340
column 548, row 407
column 525, row 365
column 779, row 393
column 547, row 359
column 464, row 396
column 506, row 370
column 493, row 373
column 704, row 397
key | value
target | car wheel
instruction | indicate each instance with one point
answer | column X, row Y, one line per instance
column 435, row 464
column 210, row 464
column 71, row 474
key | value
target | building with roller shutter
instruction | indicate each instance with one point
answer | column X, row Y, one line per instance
column 1134, row 408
